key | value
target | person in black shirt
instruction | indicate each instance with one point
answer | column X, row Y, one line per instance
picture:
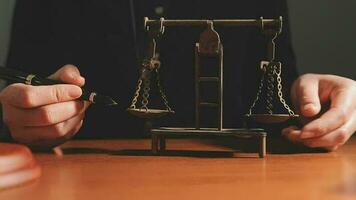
column 103, row 42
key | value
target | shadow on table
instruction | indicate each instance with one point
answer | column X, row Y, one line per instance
column 147, row 152
column 241, row 148
column 274, row 146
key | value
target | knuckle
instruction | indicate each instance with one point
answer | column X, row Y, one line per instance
column 58, row 130
column 17, row 94
column 343, row 115
column 26, row 97
column 69, row 66
column 56, row 93
column 9, row 89
column 342, row 136
column 306, row 76
column 320, row 129
column 307, row 98
column 11, row 118
column 69, row 69
column 46, row 115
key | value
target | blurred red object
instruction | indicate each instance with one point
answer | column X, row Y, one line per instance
column 17, row 165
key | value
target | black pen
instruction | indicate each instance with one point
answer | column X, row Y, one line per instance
column 32, row 79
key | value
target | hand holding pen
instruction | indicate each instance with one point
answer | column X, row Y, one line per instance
column 45, row 115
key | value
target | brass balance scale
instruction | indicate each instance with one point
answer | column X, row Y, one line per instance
column 209, row 45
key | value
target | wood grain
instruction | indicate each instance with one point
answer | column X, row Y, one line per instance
column 124, row 169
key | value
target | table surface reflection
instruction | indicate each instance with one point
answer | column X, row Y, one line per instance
column 190, row 169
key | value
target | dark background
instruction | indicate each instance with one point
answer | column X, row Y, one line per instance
column 323, row 34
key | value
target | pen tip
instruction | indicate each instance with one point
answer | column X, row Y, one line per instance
column 113, row 103
column 105, row 100
column 110, row 102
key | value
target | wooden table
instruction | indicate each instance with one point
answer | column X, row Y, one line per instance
column 124, row 169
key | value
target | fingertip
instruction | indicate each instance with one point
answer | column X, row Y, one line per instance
column 79, row 81
column 292, row 133
column 310, row 109
column 74, row 91
column 285, row 131
column 307, row 134
column 332, row 148
column 82, row 80
column 68, row 74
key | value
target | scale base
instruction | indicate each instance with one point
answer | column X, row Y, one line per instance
column 160, row 135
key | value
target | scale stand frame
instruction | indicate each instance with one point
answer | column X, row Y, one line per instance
column 209, row 45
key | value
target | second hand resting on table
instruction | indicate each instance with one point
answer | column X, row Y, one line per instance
column 50, row 115
column 328, row 108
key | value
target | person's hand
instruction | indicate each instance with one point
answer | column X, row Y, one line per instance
column 45, row 115
column 327, row 104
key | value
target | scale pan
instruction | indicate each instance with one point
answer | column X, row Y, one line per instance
column 271, row 118
column 149, row 113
